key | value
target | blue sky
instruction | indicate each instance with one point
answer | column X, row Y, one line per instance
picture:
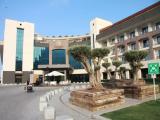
column 67, row 17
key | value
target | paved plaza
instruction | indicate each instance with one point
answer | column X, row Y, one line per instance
column 16, row 104
column 63, row 107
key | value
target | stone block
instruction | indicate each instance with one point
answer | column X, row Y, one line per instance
column 43, row 99
column 94, row 100
column 56, row 91
column 52, row 93
column 77, row 87
column 42, row 106
column 60, row 90
column 140, row 91
column 49, row 113
column 71, row 88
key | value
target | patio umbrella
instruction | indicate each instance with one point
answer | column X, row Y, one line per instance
column 54, row 73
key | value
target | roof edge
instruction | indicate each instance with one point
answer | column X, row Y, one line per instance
column 131, row 16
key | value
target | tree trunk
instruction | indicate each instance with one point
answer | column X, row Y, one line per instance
column 95, row 80
column 109, row 73
column 135, row 76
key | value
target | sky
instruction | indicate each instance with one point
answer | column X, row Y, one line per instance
column 67, row 17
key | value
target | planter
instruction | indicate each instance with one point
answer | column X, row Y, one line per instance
column 95, row 100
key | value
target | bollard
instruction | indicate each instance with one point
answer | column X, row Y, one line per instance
column 47, row 97
column 52, row 93
column 71, row 88
column 60, row 90
column 83, row 86
column 42, row 106
column 49, row 113
column 56, row 91
column 43, row 99
column 77, row 87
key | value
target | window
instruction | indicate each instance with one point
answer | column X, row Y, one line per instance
column 157, row 54
column 144, row 30
column 145, row 43
column 19, row 49
column 121, row 38
column 41, row 56
column 74, row 63
column 132, row 46
column 157, row 25
column 132, row 34
column 157, row 40
column 122, row 49
column 148, row 56
column 59, row 56
column 112, row 41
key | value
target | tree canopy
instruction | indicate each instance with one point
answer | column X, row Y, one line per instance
column 84, row 54
column 134, row 58
column 80, row 52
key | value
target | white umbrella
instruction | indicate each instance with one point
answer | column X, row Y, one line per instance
column 54, row 73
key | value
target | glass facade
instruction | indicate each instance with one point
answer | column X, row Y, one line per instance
column 79, row 78
column 74, row 63
column 81, row 41
column 59, row 56
column 41, row 56
column 19, row 49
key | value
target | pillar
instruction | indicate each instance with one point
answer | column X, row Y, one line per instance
column 127, row 74
column 139, row 74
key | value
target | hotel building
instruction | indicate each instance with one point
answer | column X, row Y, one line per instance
column 140, row 31
column 25, row 54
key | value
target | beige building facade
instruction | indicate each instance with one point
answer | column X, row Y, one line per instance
column 140, row 31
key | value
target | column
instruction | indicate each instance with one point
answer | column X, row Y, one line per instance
column 117, row 76
column 127, row 74
column 151, row 50
column 65, row 75
column 136, row 32
column 125, row 36
column 108, row 77
column 150, row 27
column 116, row 39
column 139, row 74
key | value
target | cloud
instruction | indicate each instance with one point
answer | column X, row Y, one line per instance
column 59, row 3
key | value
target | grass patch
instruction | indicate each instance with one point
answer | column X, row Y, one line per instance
column 145, row 111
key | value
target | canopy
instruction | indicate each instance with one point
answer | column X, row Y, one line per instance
column 54, row 73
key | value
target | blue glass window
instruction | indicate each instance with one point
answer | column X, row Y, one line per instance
column 41, row 56
column 74, row 63
column 59, row 56
column 19, row 49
